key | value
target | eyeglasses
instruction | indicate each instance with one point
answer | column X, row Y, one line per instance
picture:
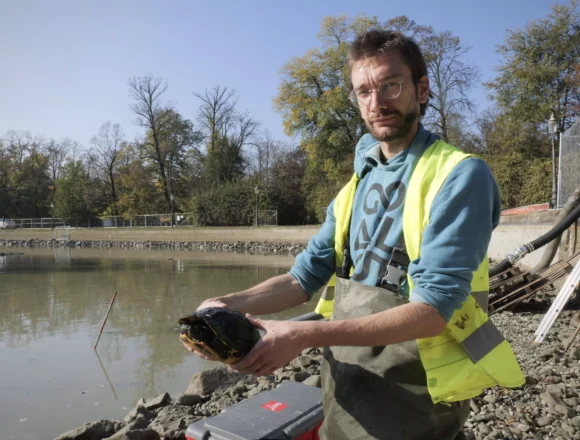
column 388, row 89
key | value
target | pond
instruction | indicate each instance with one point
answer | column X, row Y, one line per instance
column 52, row 304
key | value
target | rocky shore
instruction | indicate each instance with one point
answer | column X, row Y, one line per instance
column 252, row 247
column 546, row 407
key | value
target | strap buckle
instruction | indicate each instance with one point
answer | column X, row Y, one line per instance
column 396, row 270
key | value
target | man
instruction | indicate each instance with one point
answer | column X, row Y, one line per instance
column 403, row 353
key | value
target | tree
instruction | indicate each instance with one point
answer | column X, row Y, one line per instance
column 540, row 72
column 69, row 200
column 226, row 132
column 57, row 154
column 216, row 113
column 451, row 79
column 313, row 95
column 108, row 145
column 225, row 162
column 27, row 179
column 284, row 186
column 179, row 142
column 137, row 191
column 152, row 115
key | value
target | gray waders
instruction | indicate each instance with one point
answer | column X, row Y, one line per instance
column 380, row 392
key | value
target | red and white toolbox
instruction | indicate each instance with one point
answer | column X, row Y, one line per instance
column 291, row 411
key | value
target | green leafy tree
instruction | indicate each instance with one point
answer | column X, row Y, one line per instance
column 522, row 180
column 225, row 162
column 69, row 199
column 26, row 178
column 227, row 204
column 137, row 192
column 540, row 72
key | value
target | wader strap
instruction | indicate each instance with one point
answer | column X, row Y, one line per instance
column 344, row 270
column 397, row 268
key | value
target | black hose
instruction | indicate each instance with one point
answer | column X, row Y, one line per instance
column 553, row 233
column 312, row 316
column 500, row 267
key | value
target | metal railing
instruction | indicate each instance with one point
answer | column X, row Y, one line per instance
column 265, row 218
column 28, row 223
column 569, row 163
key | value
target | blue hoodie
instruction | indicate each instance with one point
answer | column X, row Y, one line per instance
column 463, row 216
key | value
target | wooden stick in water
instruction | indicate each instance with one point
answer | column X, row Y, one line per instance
column 105, row 320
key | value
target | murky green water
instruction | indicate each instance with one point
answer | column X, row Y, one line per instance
column 52, row 303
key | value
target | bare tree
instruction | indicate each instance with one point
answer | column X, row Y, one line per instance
column 245, row 129
column 216, row 113
column 451, row 79
column 266, row 152
column 108, row 145
column 57, row 153
column 146, row 92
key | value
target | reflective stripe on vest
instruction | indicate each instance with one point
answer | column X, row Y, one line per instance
column 470, row 354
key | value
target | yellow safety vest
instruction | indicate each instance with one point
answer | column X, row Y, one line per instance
column 470, row 354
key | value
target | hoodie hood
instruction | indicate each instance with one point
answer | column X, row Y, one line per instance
column 365, row 158
column 362, row 148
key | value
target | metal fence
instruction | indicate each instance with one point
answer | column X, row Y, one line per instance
column 49, row 223
column 569, row 163
column 265, row 218
column 148, row 221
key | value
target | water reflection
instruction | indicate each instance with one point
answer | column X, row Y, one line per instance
column 52, row 303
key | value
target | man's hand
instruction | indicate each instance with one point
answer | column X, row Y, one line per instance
column 280, row 344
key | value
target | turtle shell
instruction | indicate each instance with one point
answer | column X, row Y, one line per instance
column 219, row 333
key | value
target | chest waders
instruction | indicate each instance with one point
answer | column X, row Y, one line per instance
column 380, row 392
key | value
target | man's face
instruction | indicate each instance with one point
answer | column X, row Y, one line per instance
column 389, row 119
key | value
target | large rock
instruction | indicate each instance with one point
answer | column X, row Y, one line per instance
column 137, row 411
column 188, row 399
column 91, row 431
column 215, row 380
column 172, row 421
column 140, row 422
column 140, row 434
column 155, row 402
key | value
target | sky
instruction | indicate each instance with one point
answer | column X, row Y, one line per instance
column 65, row 64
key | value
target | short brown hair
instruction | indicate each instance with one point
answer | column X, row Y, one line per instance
column 375, row 42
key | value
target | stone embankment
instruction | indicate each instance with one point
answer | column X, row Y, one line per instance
column 546, row 407
column 252, row 247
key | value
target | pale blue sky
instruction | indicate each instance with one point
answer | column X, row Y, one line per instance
column 64, row 64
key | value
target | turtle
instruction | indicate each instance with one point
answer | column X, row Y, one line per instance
column 219, row 333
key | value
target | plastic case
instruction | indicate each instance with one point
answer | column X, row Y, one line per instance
column 290, row 411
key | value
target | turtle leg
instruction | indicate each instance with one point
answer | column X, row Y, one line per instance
column 200, row 348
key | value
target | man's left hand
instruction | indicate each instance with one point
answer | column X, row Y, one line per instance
column 280, row 344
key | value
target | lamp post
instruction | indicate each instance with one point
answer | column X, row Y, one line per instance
column 171, row 204
column 257, row 192
column 553, row 131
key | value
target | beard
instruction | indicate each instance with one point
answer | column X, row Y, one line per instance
column 408, row 119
